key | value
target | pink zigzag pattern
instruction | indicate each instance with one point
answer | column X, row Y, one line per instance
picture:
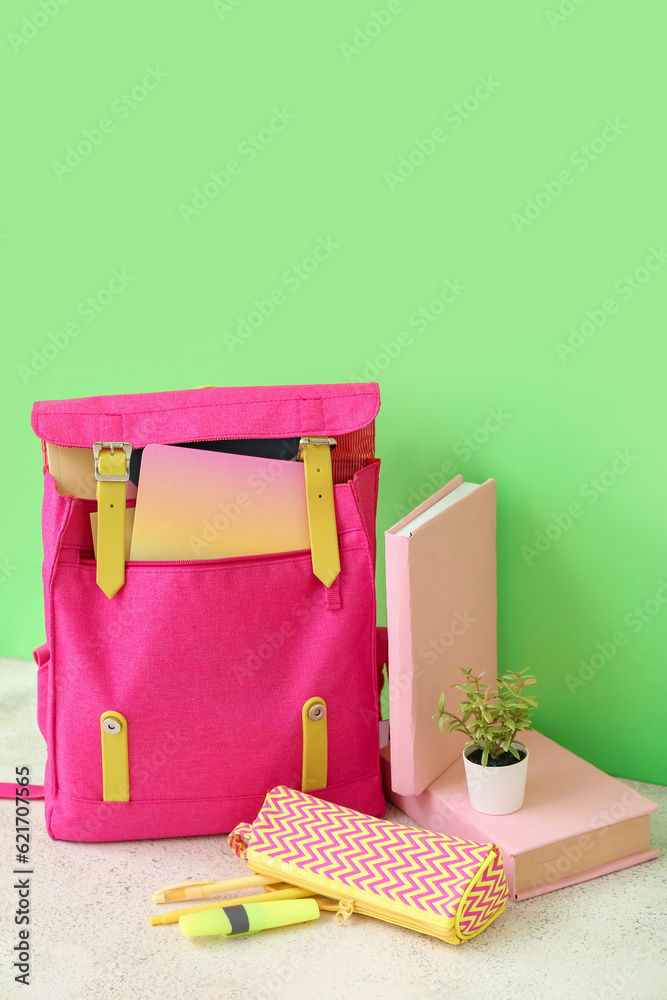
column 486, row 899
column 414, row 867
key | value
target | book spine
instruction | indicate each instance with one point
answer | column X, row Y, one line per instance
column 400, row 669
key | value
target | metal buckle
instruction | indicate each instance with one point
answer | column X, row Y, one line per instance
column 111, row 445
column 315, row 440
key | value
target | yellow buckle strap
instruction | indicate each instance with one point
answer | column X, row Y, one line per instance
column 315, row 454
column 112, row 466
column 314, row 760
column 115, row 760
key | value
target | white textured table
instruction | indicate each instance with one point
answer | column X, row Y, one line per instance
column 90, row 935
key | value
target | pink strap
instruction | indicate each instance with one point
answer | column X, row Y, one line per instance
column 41, row 655
column 332, row 595
column 382, row 645
column 8, row 790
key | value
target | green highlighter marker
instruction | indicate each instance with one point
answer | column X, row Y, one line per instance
column 234, row 921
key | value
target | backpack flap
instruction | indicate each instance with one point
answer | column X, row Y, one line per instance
column 110, row 429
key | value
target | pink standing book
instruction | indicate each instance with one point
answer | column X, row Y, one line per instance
column 441, row 613
column 577, row 822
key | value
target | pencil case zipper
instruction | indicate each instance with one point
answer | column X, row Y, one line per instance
column 348, row 904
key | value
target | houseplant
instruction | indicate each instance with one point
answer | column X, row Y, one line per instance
column 491, row 717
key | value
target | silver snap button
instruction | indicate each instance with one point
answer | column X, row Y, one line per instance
column 112, row 726
column 317, row 712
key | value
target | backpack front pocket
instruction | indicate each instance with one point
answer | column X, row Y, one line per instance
column 211, row 663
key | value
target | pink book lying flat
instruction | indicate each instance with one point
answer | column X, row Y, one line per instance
column 577, row 822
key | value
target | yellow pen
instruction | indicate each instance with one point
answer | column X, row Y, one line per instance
column 196, row 890
column 173, row 916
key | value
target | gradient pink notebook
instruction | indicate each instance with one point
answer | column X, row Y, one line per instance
column 194, row 504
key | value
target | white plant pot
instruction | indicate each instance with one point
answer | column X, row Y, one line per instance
column 496, row 790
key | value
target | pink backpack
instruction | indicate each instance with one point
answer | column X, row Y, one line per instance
column 202, row 684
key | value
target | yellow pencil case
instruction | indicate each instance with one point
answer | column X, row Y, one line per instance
column 443, row 886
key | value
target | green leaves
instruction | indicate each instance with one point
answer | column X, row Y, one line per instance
column 490, row 717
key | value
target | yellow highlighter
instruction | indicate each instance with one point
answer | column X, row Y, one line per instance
column 237, row 920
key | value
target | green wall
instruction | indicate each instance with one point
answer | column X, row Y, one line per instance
column 485, row 183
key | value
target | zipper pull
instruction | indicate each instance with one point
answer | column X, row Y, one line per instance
column 345, row 910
